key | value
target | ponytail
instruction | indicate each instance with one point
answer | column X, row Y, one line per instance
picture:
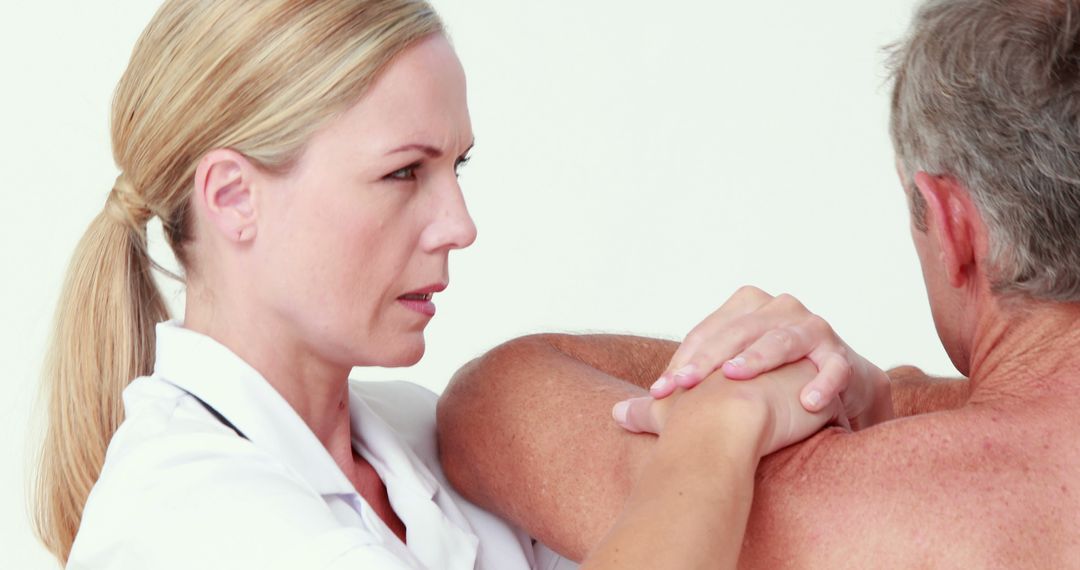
column 103, row 338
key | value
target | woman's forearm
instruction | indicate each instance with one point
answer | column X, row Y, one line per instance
column 690, row 506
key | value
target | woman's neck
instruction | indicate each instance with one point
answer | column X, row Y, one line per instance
column 316, row 390
column 319, row 393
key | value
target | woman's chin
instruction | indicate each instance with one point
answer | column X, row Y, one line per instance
column 403, row 355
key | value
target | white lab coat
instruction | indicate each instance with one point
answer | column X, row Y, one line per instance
column 180, row 489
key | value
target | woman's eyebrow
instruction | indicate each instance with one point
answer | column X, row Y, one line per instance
column 426, row 149
column 429, row 150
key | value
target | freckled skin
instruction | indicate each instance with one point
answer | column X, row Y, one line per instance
column 981, row 497
column 978, row 483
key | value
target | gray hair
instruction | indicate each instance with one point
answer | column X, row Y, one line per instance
column 988, row 92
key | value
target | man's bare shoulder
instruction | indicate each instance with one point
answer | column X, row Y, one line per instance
column 972, row 487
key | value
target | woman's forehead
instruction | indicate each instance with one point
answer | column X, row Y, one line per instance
column 420, row 99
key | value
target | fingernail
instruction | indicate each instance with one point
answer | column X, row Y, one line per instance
column 685, row 371
column 813, row 398
column 660, row 385
column 737, row 362
column 620, row 412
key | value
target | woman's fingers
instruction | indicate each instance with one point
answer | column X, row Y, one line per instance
column 812, row 338
column 868, row 395
column 640, row 415
column 792, row 422
column 687, row 375
column 754, row 333
column 779, row 392
column 841, row 419
column 833, row 377
column 773, row 349
column 710, row 342
column 778, row 344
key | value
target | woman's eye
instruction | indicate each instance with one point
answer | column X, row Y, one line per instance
column 461, row 162
column 407, row 173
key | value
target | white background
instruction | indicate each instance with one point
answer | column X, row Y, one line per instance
column 636, row 162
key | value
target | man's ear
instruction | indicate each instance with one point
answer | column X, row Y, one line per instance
column 224, row 187
column 954, row 222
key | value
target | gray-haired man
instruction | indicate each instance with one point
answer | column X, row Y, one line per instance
column 986, row 125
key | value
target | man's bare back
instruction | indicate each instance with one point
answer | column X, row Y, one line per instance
column 978, row 487
column 526, row 433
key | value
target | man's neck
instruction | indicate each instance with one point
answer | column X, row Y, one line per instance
column 1024, row 351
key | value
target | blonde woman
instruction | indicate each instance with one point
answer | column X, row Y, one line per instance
column 302, row 156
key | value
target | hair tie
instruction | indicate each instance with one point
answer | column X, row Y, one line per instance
column 127, row 206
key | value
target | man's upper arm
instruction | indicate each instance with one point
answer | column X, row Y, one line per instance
column 526, row 432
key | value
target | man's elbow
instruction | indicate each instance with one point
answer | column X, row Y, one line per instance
column 470, row 411
column 478, row 380
column 456, row 421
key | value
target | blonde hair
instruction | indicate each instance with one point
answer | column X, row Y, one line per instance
column 255, row 76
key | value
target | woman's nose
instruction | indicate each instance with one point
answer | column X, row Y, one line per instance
column 452, row 227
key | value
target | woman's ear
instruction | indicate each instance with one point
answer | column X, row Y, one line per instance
column 225, row 190
column 953, row 221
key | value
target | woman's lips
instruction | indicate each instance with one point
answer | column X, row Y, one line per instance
column 419, row 302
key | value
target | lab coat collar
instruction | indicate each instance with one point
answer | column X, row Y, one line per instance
column 439, row 535
column 372, row 434
column 205, row 368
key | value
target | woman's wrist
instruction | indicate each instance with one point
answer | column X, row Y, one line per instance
column 736, row 424
column 695, row 489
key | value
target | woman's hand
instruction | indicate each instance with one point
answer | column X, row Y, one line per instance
column 697, row 487
column 774, row 398
column 754, row 332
